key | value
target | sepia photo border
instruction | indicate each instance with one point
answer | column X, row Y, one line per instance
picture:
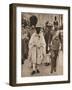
column 13, row 44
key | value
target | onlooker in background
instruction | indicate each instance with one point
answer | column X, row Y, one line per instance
column 55, row 23
column 24, row 22
column 48, row 37
column 24, row 44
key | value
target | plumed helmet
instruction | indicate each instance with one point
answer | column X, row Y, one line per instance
column 33, row 20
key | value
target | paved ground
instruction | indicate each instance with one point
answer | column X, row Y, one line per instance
column 44, row 70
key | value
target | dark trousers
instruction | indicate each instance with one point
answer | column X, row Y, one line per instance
column 54, row 54
column 24, row 50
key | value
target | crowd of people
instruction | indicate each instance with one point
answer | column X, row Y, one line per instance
column 37, row 42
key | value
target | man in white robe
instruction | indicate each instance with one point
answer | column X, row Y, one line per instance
column 37, row 48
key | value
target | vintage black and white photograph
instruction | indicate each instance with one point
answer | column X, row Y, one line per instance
column 41, row 44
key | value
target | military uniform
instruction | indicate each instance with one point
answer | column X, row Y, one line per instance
column 55, row 44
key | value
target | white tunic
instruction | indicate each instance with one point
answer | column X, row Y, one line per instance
column 37, row 47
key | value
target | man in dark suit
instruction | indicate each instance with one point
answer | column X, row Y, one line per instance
column 48, row 37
